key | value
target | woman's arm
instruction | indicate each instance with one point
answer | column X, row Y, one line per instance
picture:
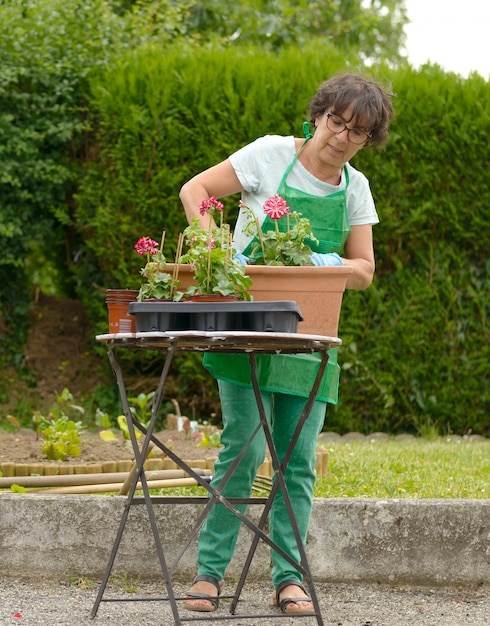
column 359, row 254
column 218, row 181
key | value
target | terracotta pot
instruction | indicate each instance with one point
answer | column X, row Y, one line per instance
column 318, row 292
column 117, row 301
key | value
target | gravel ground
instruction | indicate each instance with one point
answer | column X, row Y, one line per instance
column 63, row 603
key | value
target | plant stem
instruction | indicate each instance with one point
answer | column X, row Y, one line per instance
column 208, row 278
column 276, row 222
column 259, row 233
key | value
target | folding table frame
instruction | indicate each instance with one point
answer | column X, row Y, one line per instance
column 250, row 343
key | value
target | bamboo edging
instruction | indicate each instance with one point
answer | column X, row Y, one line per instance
column 78, row 480
column 165, row 470
column 107, row 487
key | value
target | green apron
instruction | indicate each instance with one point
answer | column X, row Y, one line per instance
column 291, row 373
column 327, row 215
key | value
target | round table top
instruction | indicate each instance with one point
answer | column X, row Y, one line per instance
column 222, row 341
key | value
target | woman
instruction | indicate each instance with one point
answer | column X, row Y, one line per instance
column 315, row 178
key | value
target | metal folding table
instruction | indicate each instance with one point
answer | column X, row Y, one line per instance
column 250, row 343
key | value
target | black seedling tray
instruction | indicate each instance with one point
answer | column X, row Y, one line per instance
column 275, row 316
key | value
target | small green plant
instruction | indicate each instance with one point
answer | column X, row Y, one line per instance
column 82, row 582
column 102, row 419
column 142, row 407
column 141, row 412
column 60, row 435
column 127, row 583
column 60, row 438
column 210, row 441
column 64, row 405
column 123, row 425
column 17, row 489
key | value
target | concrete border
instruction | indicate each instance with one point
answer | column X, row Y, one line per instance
column 413, row 542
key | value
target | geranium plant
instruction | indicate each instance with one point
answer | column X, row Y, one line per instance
column 159, row 285
column 210, row 256
column 285, row 243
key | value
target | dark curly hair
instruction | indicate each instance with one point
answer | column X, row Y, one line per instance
column 372, row 108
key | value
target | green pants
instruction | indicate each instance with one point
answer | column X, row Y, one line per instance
column 219, row 534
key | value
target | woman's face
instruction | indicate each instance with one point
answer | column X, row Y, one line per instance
column 332, row 147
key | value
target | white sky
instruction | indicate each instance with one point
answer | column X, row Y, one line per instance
column 455, row 34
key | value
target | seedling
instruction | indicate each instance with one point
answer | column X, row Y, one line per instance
column 60, row 435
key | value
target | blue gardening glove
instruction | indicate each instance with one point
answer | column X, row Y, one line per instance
column 322, row 260
column 241, row 258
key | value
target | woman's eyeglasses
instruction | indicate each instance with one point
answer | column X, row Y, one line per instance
column 337, row 125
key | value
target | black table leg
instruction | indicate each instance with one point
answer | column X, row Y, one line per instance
column 279, row 483
column 140, row 476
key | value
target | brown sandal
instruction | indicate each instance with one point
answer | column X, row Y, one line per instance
column 283, row 603
column 214, row 600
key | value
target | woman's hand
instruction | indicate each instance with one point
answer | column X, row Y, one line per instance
column 330, row 259
column 241, row 258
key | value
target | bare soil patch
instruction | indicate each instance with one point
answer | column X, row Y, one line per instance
column 23, row 447
column 57, row 354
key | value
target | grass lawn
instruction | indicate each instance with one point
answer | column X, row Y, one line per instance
column 422, row 468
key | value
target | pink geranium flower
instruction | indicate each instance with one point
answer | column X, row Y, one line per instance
column 275, row 207
column 146, row 245
column 209, row 205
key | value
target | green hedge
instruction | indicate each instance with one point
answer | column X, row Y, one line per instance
column 415, row 343
column 48, row 48
column 417, row 354
column 47, row 51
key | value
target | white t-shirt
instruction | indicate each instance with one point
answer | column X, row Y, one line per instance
column 260, row 167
